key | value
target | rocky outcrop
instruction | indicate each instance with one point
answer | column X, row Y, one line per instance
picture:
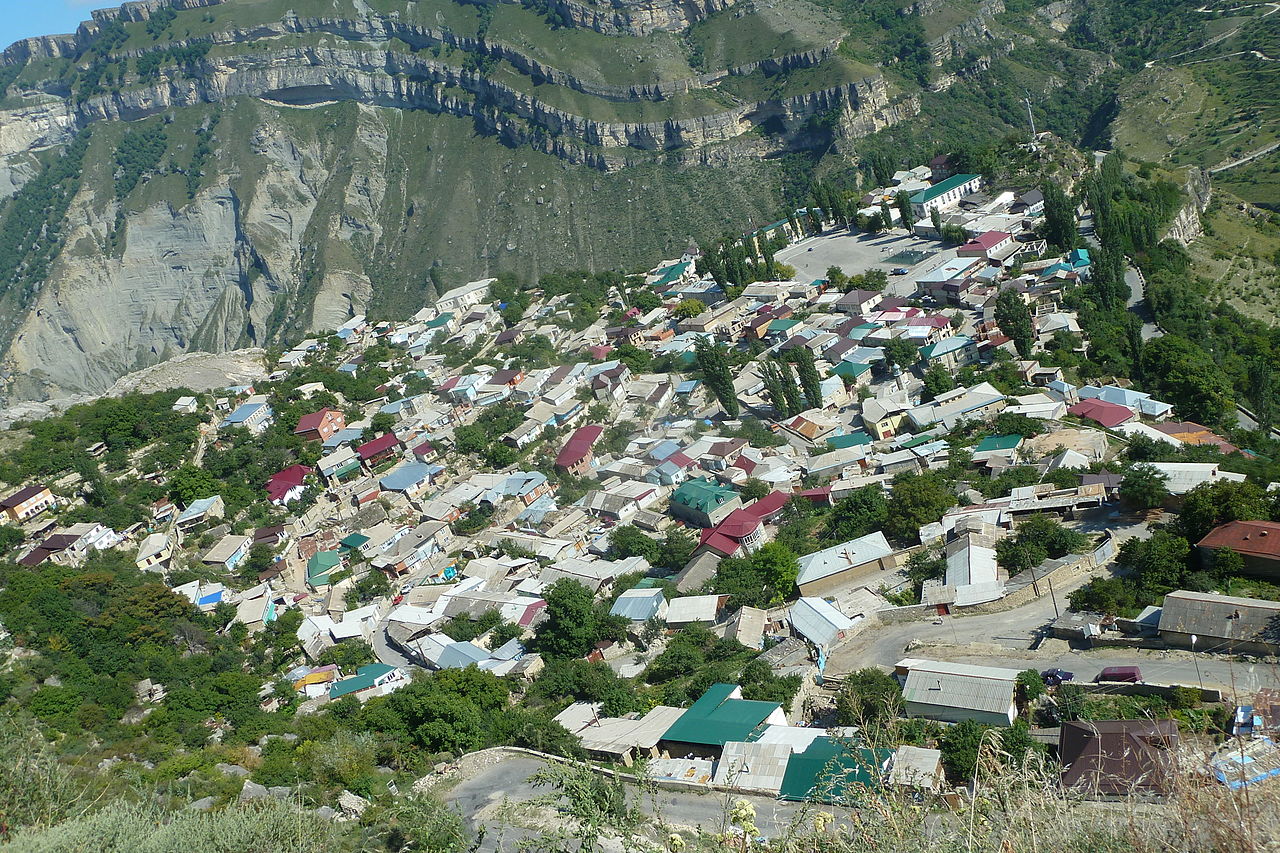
column 634, row 17
column 1187, row 225
column 1060, row 14
column 975, row 30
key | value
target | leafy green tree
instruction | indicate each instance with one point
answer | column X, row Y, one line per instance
column 1013, row 316
column 762, row 579
column 869, row 699
column 258, row 561
column 790, row 387
column 938, row 381
column 900, row 352
column 914, row 501
column 1030, row 685
column 1105, row 595
column 348, row 654
column 190, row 483
column 753, row 489
column 627, row 540
column 1144, row 487
column 837, row 278
column 903, row 201
column 1209, row 505
column 574, row 622
column 1186, row 375
column 960, row 749
column 864, row 511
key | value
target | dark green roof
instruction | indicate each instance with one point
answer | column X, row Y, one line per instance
column 998, row 442
column 850, row 369
column 715, row 719
column 940, row 188
column 702, row 495
column 915, row 440
column 354, row 541
column 853, row 439
column 319, row 566
column 363, row 679
column 832, row 772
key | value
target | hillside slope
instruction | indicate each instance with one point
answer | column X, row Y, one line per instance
column 196, row 174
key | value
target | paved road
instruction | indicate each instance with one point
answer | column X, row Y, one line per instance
column 486, row 797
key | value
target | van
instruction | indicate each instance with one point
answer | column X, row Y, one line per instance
column 1128, row 674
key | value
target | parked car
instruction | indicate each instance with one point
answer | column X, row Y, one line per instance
column 1128, row 674
column 404, row 590
column 900, row 271
column 1054, row 677
column 397, row 600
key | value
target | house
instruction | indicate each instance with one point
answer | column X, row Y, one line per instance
column 185, row 405
column 753, row 766
column 832, row 771
column 943, row 195
column 883, row 417
column 342, row 464
column 689, row 609
column 576, row 457
column 154, row 553
column 287, row 485
column 918, row 768
column 1108, row 415
column 321, row 565
column 228, row 551
column 859, row 561
column 253, row 415
column 1220, row 623
column 618, row 739
column 858, row 303
column 640, row 605
column 1182, row 477
column 459, row 299
column 200, row 511
column 703, row 503
column 958, row 406
column 1118, row 757
column 1137, row 401
column 997, row 450
column 1258, row 542
column 1189, row 432
column 951, row 353
column 819, row 622
column 318, row 426
column 988, row 244
column 738, row 534
column 718, row 716
column 410, row 479
column 372, row 679
column 374, row 453
column 954, row 692
column 28, row 502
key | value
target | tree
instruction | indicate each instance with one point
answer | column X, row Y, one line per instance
column 190, row 483
column 903, row 201
column 790, row 388
column 569, row 630
column 938, row 381
column 779, row 567
column 864, row 511
column 256, row 563
column 627, row 540
column 380, row 423
column 773, row 387
column 715, row 371
column 1209, row 505
column 810, row 381
column 1059, row 217
column 869, row 699
column 1030, row 685
column 1014, row 319
column 960, row 746
column 1144, row 487
column 837, row 279
column 1186, row 375
column 935, row 218
column 687, row 309
column 900, row 352
column 753, row 490
column 914, row 501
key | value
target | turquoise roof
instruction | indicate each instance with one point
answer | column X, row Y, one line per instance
column 702, row 494
column 938, row 189
column 715, row 719
column 365, row 677
column 998, row 442
column 853, row 439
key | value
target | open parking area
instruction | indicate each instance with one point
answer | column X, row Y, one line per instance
column 855, row 253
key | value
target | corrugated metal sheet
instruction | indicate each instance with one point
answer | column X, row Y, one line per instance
column 955, row 685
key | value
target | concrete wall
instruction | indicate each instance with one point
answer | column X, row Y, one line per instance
column 1058, row 578
column 913, row 613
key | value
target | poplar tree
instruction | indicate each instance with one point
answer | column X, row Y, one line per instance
column 810, row 381
column 715, row 372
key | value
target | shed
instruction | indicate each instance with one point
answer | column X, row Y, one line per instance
column 693, row 608
column 954, row 692
column 640, row 605
column 830, row 771
column 1118, row 757
column 819, row 622
column 753, row 766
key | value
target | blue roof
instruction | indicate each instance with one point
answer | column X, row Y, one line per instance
column 198, row 508
column 244, row 412
column 663, row 449
column 405, row 476
column 343, row 436
column 461, row 656
column 688, row 386
column 211, row 598
column 347, row 368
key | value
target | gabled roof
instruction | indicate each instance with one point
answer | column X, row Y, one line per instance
column 942, row 187
column 405, row 476
column 365, row 677
column 717, row 717
column 579, row 445
column 381, row 444
column 280, row 483
column 998, row 443
column 846, row 555
column 1118, row 756
column 833, row 772
column 1252, row 538
column 1107, row 414
column 24, row 494
column 307, row 423
column 957, row 685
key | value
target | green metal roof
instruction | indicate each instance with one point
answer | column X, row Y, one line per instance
column 998, row 442
column 702, row 495
column 850, row 369
column 354, row 541
column 319, row 566
column 715, row 719
column 363, row 679
column 938, row 189
column 915, row 440
column 831, row 772
column 853, row 439
column 783, row 325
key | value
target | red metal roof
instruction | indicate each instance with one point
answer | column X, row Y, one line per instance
column 1252, row 538
column 310, row 422
column 579, row 445
column 986, row 240
column 1107, row 414
column 381, row 444
column 279, row 483
column 769, row 505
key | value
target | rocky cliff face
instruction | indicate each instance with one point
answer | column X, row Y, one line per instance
column 1187, row 225
column 636, row 17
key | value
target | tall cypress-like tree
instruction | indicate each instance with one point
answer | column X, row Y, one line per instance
column 904, row 208
column 810, row 381
column 886, row 215
column 772, row 378
column 716, row 373
column 1059, row 217
column 790, row 388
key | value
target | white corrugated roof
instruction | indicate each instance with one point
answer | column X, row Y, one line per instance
column 693, row 608
column 962, row 686
column 818, row 622
column 846, row 555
